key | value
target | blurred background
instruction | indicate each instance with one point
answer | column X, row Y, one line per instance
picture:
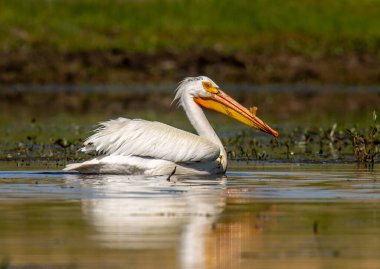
column 307, row 65
column 94, row 41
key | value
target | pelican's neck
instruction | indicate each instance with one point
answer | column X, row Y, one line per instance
column 200, row 123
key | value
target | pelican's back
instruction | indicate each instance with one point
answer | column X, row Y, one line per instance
column 135, row 137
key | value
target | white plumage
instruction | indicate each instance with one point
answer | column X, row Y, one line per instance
column 126, row 137
column 135, row 146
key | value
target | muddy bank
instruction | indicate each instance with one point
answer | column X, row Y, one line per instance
column 116, row 66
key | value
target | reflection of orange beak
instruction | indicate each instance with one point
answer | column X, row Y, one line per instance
column 224, row 104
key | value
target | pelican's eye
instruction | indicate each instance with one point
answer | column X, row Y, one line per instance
column 208, row 87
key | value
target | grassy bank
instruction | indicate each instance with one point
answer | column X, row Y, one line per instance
column 306, row 27
column 94, row 41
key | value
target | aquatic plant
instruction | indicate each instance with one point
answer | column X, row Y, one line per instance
column 365, row 142
column 34, row 142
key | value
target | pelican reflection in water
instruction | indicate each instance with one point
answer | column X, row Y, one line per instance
column 139, row 213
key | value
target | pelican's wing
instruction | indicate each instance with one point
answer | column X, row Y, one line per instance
column 150, row 139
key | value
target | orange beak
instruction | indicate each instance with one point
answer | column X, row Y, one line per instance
column 222, row 103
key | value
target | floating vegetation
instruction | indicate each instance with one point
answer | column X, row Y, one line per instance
column 366, row 142
column 43, row 144
column 332, row 144
column 58, row 144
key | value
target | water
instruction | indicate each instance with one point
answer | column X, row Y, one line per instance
column 257, row 216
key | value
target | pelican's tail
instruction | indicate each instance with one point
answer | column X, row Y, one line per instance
column 87, row 167
column 127, row 165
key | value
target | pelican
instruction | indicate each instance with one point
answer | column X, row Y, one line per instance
column 136, row 146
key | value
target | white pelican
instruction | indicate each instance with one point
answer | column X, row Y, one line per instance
column 135, row 146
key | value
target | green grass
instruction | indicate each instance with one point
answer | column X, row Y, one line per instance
column 312, row 27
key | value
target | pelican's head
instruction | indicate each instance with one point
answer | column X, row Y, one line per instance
column 207, row 94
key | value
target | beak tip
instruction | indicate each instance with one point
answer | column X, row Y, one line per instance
column 271, row 131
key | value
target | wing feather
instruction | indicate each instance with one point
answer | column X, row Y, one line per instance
column 135, row 137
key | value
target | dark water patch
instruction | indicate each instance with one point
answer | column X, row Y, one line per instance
column 285, row 103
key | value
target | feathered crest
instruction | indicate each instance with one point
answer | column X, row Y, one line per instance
column 181, row 86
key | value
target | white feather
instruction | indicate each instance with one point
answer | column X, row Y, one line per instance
column 135, row 137
column 130, row 165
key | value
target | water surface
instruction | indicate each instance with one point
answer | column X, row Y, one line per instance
column 258, row 215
